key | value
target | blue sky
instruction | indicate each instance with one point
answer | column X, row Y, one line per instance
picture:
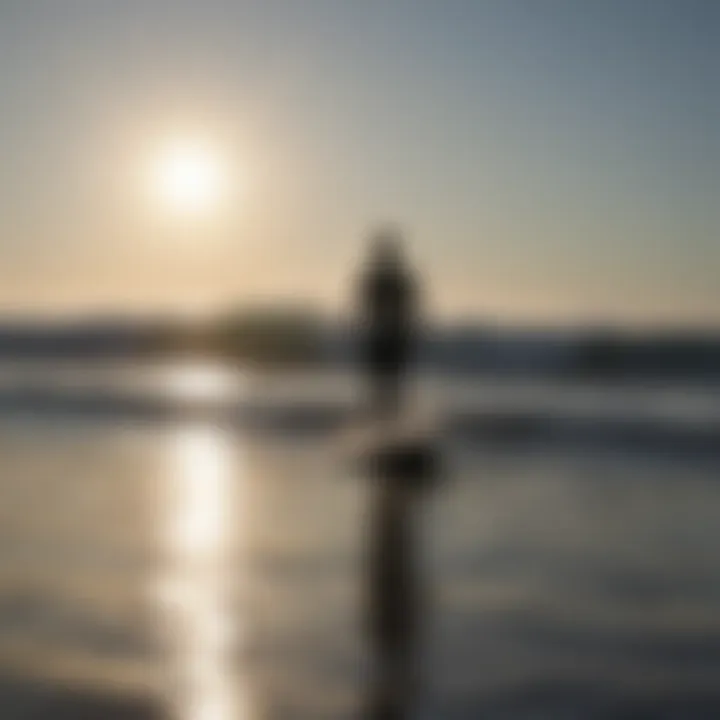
column 551, row 160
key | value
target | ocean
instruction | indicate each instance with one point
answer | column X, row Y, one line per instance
column 187, row 540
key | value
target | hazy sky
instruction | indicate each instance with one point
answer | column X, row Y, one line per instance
column 550, row 159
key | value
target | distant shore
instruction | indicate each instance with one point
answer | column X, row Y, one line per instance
column 296, row 338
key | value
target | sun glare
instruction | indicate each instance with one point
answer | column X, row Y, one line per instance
column 189, row 178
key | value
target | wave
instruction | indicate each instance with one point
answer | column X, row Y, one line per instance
column 491, row 422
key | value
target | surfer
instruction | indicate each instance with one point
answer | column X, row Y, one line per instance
column 400, row 460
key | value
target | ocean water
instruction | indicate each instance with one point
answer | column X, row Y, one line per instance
column 157, row 543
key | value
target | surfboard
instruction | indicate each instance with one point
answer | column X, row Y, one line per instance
column 406, row 449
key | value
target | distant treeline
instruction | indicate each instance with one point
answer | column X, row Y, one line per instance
column 298, row 336
column 256, row 336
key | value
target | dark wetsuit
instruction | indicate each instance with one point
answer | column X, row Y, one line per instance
column 388, row 302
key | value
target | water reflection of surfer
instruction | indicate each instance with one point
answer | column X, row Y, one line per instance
column 388, row 307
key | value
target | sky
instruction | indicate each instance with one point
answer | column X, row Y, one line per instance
column 550, row 161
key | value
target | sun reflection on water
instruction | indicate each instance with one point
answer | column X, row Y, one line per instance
column 202, row 382
column 195, row 588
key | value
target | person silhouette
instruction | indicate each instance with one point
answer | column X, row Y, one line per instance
column 400, row 465
column 388, row 308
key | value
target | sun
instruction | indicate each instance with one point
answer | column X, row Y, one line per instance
column 189, row 177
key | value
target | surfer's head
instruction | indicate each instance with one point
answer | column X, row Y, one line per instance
column 386, row 249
